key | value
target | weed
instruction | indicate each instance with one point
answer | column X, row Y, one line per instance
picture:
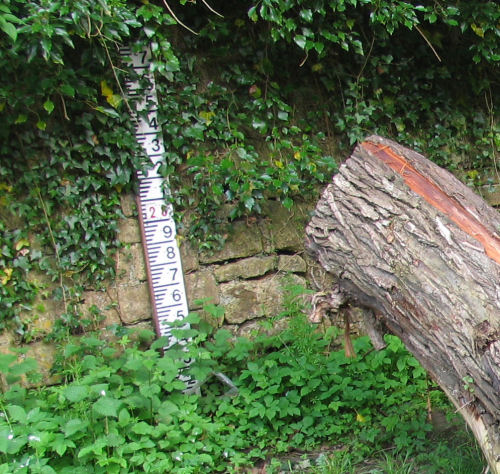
column 120, row 406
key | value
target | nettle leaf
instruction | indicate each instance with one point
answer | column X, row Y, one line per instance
column 149, row 390
column 107, row 406
column 124, row 417
column 169, row 366
column 142, row 428
column 17, row 413
column 6, row 360
column 5, row 434
column 74, row 426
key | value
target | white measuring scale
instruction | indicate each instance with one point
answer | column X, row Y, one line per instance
column 163, row 260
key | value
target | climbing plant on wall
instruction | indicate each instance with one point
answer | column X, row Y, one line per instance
column 254, row 105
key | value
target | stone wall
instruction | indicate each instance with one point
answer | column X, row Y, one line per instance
column 246, row 277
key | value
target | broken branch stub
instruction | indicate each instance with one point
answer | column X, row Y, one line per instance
column 418, row 248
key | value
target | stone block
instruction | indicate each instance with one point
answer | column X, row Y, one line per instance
column 39, row 321
column 491, row 194
column 134, row 303
column 247, row 268
column 130, row 265
column 44, row 354
column 6, row 341
column 129, row 231
column 128, row 204
column 111, row 336
column 284, row 229
column 319, row 278
column 41, row 279
column 251, row 299
column 201, row 285
column 37, row 244
column 189, row 257
column 214, row 320
column 250, row 329
column 232, row 328
column 105, row 305
column 244, row 241
column 292, row 263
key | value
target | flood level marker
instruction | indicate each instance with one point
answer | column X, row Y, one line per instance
column 163, row 260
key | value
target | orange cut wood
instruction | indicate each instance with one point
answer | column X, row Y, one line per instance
column 437, row 197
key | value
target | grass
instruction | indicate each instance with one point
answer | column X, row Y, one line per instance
column 455, row 451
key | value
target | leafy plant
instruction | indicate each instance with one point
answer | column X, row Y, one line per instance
column 120, row 405
column 17, row 293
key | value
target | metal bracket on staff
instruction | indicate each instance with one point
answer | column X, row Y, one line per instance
column 163, row 260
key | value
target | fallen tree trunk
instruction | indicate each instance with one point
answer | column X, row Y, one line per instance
column 419, row 250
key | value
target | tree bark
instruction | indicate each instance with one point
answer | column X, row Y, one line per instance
column 420, row 250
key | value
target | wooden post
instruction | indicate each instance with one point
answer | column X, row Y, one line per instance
column 416, row 247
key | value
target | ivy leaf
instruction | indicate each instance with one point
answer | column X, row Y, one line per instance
column 360, row 418
column 249, row 202
column 7, row 275
column 306, row 15
column 195, row 131
column 106, row 91
column 109, row 112
column 114, row 100
column 48, row 106
column 22, row 243
column 66, row 89
column 252, row 14
column 300, row 40
column 111, row 98
column 283, row 115
column 478, row 30
column 207, row 116
column 9, row 29
column 288, row 203
column 260, row 125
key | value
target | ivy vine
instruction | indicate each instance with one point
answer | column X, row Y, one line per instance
column 254, row 106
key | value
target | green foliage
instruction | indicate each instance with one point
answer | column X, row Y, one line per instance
column 262, row 93
column 236, row 142
column 66, row 155
column 120, row 406
column 16, row 258
column 344, row 23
